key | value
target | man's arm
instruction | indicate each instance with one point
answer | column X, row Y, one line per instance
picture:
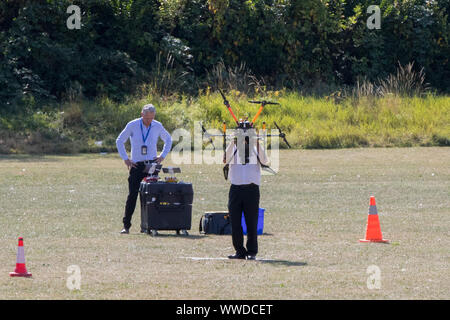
column 120, row 144
column 165, row 136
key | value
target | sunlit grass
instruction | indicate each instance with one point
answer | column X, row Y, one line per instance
column 69, row 211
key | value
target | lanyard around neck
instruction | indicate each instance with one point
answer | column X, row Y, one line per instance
column 148, row 131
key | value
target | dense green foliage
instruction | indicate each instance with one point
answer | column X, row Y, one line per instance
column 340, row 83
column 175, row 46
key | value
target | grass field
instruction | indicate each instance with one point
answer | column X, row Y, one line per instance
column 69, row 211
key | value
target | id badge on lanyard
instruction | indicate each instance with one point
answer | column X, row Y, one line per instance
column 144, row 138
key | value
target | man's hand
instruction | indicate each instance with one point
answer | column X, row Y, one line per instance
column 130, row 164
column 159, row 159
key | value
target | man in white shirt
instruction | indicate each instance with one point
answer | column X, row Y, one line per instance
column 143, row 133
column 245, row 156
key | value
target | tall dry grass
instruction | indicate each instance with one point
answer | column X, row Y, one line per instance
column 397, row 111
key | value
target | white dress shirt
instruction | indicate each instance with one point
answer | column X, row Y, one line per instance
column 245, row 173
column 133, row 132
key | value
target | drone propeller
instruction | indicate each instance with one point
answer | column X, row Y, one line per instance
column 263, row 102
column 282, row 135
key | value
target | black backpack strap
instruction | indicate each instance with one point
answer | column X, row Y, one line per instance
column 222, row 227
column 265, row 166
column 226, row 168
column 228, row 221
column 200, row 228
column 228, row 225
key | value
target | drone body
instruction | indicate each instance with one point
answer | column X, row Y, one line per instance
column 245, row 127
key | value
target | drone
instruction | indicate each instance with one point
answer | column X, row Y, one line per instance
column 244, row 124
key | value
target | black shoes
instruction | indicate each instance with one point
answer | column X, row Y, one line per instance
column 243, row 257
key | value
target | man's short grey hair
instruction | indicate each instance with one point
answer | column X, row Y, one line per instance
column 149, row 108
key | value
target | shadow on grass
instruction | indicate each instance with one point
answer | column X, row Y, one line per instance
column 229, row 235
column 51, row 157
column 274, row 262
column 39, row 157
column 174, row 235
column 28, row 158
column 282, row 262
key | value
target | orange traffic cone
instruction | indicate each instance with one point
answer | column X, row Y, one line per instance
column 21, row 270
column 373, row 231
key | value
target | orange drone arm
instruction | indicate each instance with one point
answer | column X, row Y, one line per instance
column 232, row 114
column 226, row 103
column 257, row 114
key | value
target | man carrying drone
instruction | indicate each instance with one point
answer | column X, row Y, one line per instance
column 244, row 156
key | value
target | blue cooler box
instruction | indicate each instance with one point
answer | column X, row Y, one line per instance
column 260, row 222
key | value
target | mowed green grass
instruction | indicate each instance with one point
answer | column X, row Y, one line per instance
column 69, row 211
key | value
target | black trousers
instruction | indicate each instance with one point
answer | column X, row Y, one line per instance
column 134, row 182
column 244, row 198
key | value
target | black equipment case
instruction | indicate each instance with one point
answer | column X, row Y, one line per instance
column 166, row 206
column 215, row 223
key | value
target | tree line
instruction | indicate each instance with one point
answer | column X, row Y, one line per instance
column 303, row 45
